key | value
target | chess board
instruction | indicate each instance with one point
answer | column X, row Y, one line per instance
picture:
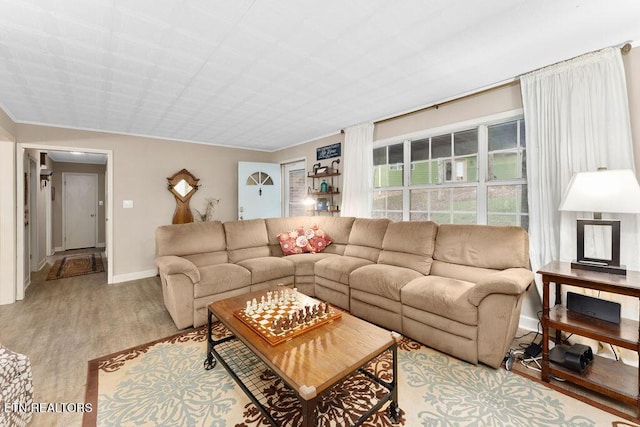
column 261, row 321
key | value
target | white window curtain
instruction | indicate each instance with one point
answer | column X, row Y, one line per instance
column 577, row 119
column 357, row 170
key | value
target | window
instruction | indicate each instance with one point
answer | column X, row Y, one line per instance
column 472, row 175
column 294, row 188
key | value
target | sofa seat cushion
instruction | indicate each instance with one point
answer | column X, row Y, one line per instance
column 218, row 278
column 383, row 280
column 338, row 269
column 305, row 263
column 268, row 268
column 443, row 296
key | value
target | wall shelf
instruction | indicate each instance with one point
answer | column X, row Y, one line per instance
column 324, row 197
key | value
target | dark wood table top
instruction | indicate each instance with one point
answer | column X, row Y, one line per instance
column 317, row 359
column 558, row 271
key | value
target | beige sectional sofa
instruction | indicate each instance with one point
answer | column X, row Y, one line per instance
column 456, row 288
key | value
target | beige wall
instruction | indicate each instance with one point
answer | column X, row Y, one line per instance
column 56, row 182
column 140, row 170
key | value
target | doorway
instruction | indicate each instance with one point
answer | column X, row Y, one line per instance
column 22, row 255
column 79, row 210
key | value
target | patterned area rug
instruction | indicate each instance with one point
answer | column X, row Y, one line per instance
column 76, row 265
column 164, row 383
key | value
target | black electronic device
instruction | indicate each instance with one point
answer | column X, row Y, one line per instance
column 577, row 357
column 594, row 307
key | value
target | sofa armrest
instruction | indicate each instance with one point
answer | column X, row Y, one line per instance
column 512, row 281
column 171, row 264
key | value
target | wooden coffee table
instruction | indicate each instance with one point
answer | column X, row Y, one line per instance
column 310, row 363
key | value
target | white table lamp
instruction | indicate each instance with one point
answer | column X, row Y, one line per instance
column 610, row 191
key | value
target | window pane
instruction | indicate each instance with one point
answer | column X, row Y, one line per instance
column 420, row 150
column 440, row 200
column 420, row 173
column 380, row 156
column 396, row 154
column 388, row 176
column 523, row 140
column 503, row 198
column 465, row 199
column 503, row 136
column 418, row 200
column 387, row 200
column 507, row 205
column 503, row 165
column 441, row 146
column 466, row 142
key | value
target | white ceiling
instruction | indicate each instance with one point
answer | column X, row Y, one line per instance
column 274, row 73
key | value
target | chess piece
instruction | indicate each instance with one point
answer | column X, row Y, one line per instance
column 254, row 304
column 248, row 310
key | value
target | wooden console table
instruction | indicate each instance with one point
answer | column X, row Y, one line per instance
column 608, row 377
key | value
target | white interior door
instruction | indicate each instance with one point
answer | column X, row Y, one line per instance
column 259, row 190
column 80, row 209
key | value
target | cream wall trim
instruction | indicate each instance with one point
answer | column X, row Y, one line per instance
column 20, row 150
column 490, row 119
column 134, row 276
column 7, row 223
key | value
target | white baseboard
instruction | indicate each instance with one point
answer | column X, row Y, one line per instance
column 42, row 263
column 101, row 245
column 529, row 323
column 58, row 249
column 119, row 278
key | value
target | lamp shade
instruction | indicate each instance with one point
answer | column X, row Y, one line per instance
column 611, row 191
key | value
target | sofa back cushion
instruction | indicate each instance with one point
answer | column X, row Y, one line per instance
column 246, row 239
column 365, row 239
column 338, row 228
column 201, row 242
column 409, row 244
column 483, row 246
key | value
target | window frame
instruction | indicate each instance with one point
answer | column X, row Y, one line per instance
column 483, row 183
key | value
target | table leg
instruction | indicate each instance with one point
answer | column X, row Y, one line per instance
column 545, row 330
column 393, row 411
column 308, row 412
column 210, row 361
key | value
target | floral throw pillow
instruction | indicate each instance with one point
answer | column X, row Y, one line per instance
column 317, row 239
column 293, row 242
column 303, row 240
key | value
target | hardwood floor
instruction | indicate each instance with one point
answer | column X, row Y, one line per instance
column 62, row 324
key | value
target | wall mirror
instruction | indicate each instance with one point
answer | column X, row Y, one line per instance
column 183, row 186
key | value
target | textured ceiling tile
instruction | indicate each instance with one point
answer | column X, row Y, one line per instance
column 274, row 73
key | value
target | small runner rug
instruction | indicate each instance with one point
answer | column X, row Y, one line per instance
column 165, row 383
column 76, row 265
